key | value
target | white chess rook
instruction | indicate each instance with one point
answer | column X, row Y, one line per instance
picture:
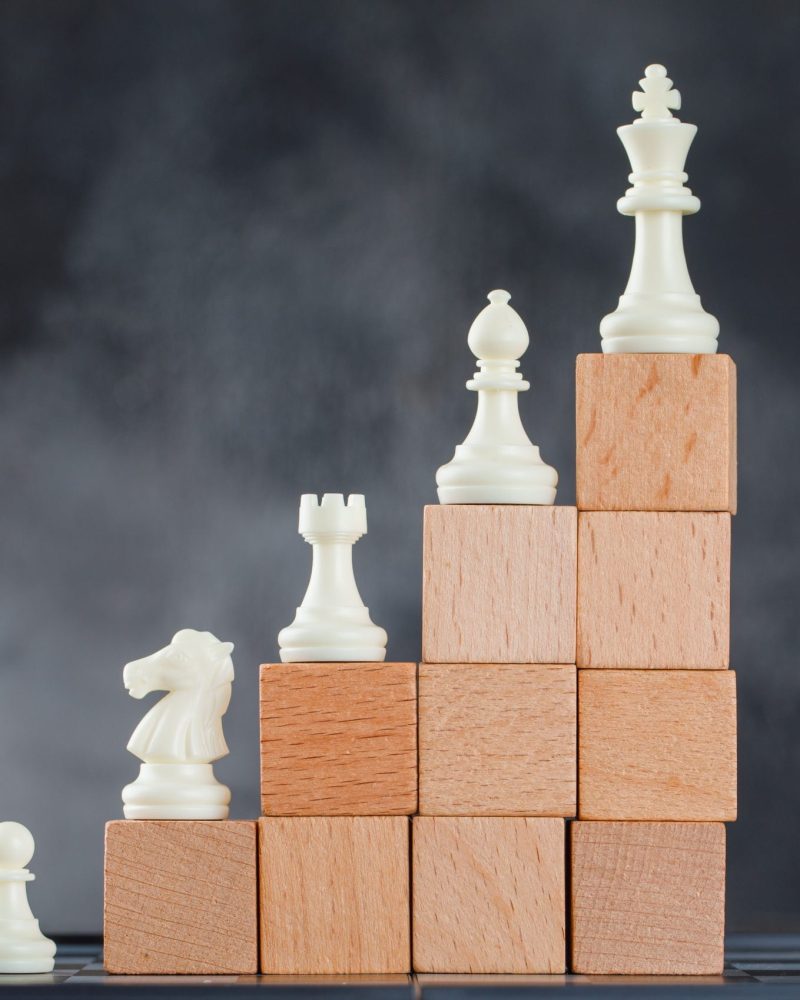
column 181, row 735
column 332, row 624
column 660, row 312
column 497, row 463
column 23, row 947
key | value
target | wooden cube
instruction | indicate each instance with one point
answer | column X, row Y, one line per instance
column 497, row 739
column 656, row 432
column 648, row 898
column 657, row 744
column 488, row 894
column 334, row 895
column 653, row 590
column 499, row 584
column 181, row 897
column 338, row 739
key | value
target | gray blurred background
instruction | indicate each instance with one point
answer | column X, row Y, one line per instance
column 242, row 243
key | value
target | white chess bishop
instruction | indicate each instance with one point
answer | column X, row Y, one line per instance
column 23, row 947
column 332, row 624
column 659, row 312
column 181, row 736
column 497, row 463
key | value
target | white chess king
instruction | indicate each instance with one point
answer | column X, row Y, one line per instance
column 497, row 463
column 659, row 312
column 23, row 947
column 181, row 735
column 332, row 624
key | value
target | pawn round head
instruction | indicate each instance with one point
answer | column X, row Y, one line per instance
column 16, row 846
column 498, row 333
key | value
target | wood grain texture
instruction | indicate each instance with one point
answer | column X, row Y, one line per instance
column 497, row 739
column 180, row 897
column 338, row 739
column 656, row 432
column 499, row 584
column 648, row 898
column 488, row 894
column 334, row 895
column 653, row 590
column 657, row 745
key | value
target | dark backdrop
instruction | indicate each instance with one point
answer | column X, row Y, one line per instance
column 241, row 245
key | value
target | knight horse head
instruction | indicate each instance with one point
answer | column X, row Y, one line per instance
column 192, row 659
column 185, row 726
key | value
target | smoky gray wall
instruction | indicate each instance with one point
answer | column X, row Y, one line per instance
column 241, row 245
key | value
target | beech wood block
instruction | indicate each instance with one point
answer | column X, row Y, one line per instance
column 488, row 894
column 648, row 898
column 338, row 739
column 334, row 895
column 656, row 432
column 180, row 897
column 497, row 739
column 499, row 584
column 654, row 590
column 657, row 745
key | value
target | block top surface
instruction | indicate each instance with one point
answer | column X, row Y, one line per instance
column 656, row 432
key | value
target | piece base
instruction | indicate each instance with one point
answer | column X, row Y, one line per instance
column 333, row 654
column 176, row 791
column 536, row 496
column 648, row 344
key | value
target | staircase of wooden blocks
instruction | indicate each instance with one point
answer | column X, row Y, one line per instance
column 566, row 750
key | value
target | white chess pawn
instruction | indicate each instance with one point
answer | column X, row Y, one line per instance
column 332, row 623
column 660, row 312
column 497, row 463
column 181, row 735
column 23, row 947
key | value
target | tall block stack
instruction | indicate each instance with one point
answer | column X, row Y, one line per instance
column 338, row 774
column 656, row 701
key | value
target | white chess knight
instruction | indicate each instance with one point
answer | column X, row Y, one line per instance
column 659, row 312
column 497, row 463
column 181, row 735
column 23, row 947
column 332, row 624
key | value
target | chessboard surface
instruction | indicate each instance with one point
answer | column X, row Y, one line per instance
column 756, row 965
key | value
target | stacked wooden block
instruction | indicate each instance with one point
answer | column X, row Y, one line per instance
column 338, row 783
column 180, row 897
column 497, row 739
column 656, row 488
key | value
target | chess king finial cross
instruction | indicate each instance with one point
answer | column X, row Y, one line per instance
column 657, row 98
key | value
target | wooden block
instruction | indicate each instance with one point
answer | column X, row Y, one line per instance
column 657, row 745
column 653, row 590
column 648, row 898
column 180, row 897
column 497, row 739
column 656, row 432
column 338, row 739
column 334, row 895
column 499, row 584
column 488, row 894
